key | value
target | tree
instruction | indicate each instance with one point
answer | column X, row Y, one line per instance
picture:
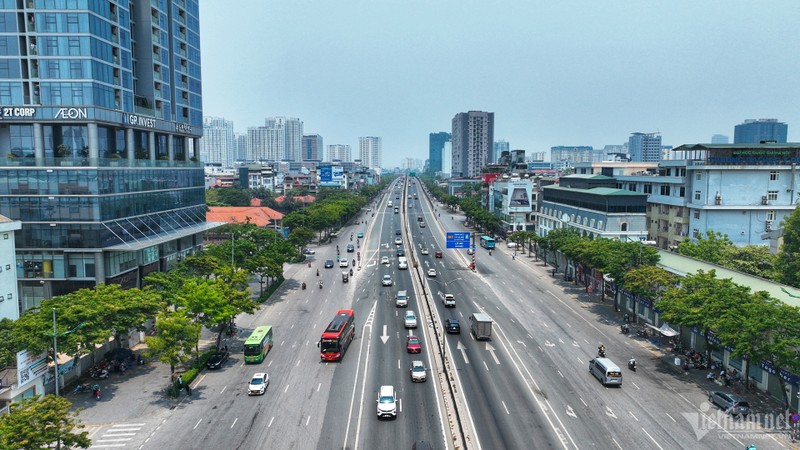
column 33, row 423
column 788, row 261
column 753, row 259
column 8, row 349
column 121, row 309
column 711, row 248
column 176, row 335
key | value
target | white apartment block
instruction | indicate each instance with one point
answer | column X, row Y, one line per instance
column 339, row 152
column 218, row 144
column 370, row 152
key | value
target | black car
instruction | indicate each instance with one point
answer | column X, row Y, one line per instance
column 452, row 326
column 328, row 263
column 350, row 248
column 401, row 252
column 217, row 359
column 397, row 232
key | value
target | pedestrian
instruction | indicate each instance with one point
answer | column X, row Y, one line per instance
column 188, row 390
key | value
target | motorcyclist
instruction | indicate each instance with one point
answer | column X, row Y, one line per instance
column 304, row 286
column 96, row 390
column 354, row 261
column 351, row 272
column 632, row 363
column 317, row 272
column 601, row 350
column 320, row 284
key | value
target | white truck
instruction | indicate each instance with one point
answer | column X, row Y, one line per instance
column 480, row 324
column 449, row 300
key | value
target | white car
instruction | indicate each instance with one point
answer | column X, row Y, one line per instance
column 258, row 384
column 308, row 251
column 343, row 263
column 418, row 372
column 398, row 241
column 410, row 319
column 387, row 402
column 387, row 280
column 431, row 272
column 385, row 260
column 424, row 251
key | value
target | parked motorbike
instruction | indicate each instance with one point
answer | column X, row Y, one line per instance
column 625, row 328
column 632, row 364
column 96, row 391
column 304, row 286
column 641, row 332
column 81, row 388
column 100, row 374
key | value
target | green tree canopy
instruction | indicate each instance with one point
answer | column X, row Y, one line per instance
column 35, row 423
column 788, row 260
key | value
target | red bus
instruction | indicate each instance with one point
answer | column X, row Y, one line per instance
column 338, row 336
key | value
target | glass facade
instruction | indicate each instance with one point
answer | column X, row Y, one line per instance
column 94, row 162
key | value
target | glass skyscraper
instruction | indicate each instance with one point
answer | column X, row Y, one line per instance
column 436, row 142
column 755, row 131
column 100, row 111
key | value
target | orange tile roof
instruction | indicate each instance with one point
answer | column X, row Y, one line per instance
column 298, row 198
column 259, row 215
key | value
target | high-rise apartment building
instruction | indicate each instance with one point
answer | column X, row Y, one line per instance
column 645, row 147
column 473, row 142
column 370, row 152
column 218, row 143
column 754, row 131
column 240, row 140
column 280, row 139
column 312, row 147
column 339, row 152
column 436, row 142
column 100, row 166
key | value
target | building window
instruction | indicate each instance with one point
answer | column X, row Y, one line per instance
column 682, row 192
column 664, row 189
column 772, row 195
column 696, row 213
column 698, row 176
column 695, row 233
column 648, row 188
column 771, row 216
column 773, row 175
column 697, row 195
column 623, row 226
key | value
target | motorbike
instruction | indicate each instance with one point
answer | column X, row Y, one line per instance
column 309, row 264
column 100, row 374
column 351, row 272
column 317, row 272
column 320, row 284
column 632, row 364
column 96, row 391
column 81, row 388
column 624, row 328
column 601, row 352
column 641, row 333
column 304, row 286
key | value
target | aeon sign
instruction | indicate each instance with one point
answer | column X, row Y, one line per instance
column 72, row 113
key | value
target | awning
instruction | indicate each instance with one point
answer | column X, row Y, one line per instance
column 149, row 241
column 664, row 329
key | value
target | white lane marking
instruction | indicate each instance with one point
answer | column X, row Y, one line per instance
column 197, row 424
column 319, row 386
column 634, row 417
column 234, row 422
column 270, row 421
column 367, row 324
column 308, row 420
column 505, row 407
column 287, row 389
column 671, row 418
column 651, row 438
column 223, row 389
column 484, row 365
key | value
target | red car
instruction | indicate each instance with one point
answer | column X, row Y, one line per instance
column 413, row 345
column 438, row 254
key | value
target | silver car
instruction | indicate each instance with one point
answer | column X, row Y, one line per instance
column 730, row 403
column 418, row 372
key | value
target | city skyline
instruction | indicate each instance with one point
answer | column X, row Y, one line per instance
column 402, row 73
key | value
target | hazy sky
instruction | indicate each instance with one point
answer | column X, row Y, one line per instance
column 557, row 72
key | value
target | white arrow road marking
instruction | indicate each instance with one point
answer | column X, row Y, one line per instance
column 549, row 344
column 571, row 412
column 491, row 349
column 575, row 344
column 461, row 347
column 610, row 413
column 384, row 336
column 523, row 344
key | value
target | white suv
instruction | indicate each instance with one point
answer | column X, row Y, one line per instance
column 387, row 402
column 410, row 319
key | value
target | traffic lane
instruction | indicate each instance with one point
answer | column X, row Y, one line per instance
column 504, row 412
column 556, row 350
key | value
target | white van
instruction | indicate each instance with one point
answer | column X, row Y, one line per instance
column 606, row 371
column 402, row 263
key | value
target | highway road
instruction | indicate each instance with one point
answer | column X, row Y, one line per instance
column 527, row 387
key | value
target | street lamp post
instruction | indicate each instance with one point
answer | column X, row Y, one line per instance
column 55, row 349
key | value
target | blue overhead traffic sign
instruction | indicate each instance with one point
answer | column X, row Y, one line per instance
column 457, row 239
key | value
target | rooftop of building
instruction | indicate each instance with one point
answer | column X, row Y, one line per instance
column 261, row 216
column 767, row 146
column 682, row 265
column 605, row 191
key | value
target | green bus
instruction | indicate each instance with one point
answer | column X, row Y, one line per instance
column 258, row 345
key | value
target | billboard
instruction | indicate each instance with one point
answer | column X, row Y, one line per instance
column 30, row 366
column 519, row 197
column 331, row 174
